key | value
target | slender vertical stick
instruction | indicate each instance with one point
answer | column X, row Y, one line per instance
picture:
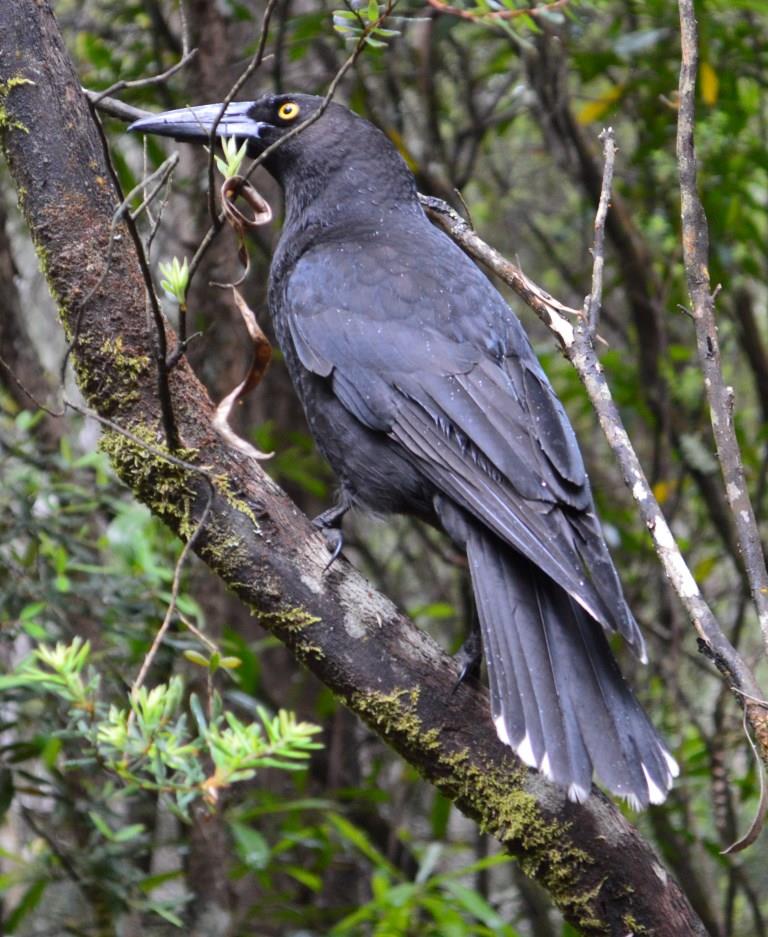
column 696, row 257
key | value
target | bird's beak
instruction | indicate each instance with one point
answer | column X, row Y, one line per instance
column 194, row 123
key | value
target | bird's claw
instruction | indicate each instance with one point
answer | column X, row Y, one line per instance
column 469, row 656
column 334, row 540
column 329, row 524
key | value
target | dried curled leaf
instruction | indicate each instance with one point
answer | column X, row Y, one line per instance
column 262, row 355
column 233, row 188
column 237, row 187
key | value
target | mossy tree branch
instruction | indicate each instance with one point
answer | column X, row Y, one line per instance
column 602, row 874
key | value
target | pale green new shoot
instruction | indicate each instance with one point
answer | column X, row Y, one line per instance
column 175, row 279
column 229, row 165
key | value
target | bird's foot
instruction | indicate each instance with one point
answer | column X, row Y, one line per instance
column 329, row 523
column 334, row 540
column 469, row 657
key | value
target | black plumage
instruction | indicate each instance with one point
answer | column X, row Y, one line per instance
column 422, row 391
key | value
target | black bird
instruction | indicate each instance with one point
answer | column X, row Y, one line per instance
column 422, row 391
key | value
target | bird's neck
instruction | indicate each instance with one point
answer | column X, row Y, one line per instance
column 348, row 192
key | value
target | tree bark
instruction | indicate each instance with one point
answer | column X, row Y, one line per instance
column 598, row 869
column 18, row 355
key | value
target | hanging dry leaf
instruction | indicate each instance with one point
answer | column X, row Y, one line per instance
column 262, row 355
column 233, row 188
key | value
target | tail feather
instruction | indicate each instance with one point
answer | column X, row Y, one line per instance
column 505, row 692
column 542, row 727
column 557, row 695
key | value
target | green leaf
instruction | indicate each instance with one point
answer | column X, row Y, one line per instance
column 194, row 657
column 197, row 712
column 35, row 630
column 151, row 882
column 167, row 914
column 310, row 879
column 101, row 825
column 252, row 848
column 32, row 610
column 29, row 901
column 355, row 836
column 127, row 833
column 439, row 816
column 474, row 903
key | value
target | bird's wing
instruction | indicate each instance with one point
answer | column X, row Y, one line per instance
column 432, row 356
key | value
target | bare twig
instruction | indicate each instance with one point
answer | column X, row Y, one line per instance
column 201, row 636
column 113, row 107
column 550, row 310
column 137, row 440
column 161, row 345
column 27, row 392
column 145, row 82
column 162, row 173
column 593, row 302
column 584, row 343
column 170, row 611
column 253, row 65
column 696, row 259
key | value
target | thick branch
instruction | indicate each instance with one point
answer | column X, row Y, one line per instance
column 595, row 865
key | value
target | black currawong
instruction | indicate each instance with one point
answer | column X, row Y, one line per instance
column 422, row 391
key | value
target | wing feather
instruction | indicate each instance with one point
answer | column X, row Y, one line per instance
column 476, row 410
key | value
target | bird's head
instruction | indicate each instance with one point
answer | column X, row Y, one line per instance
column 336, row 154
column 261, row 123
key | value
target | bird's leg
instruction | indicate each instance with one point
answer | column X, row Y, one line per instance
column 470, row 655
column 329, row 522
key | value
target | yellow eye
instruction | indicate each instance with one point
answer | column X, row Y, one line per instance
column 288, row 111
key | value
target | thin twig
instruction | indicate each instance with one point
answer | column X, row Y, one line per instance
column 147, row 447
column 170, row 611
column 145, row 82
column 201, row 636
column 758, row 821
column 161, row 345
column 593, row 302
column 253, row 65
column 28, row 393
column 155, row 222
column 113, row 107
column 162, row 173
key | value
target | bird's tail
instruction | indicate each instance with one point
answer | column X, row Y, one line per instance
column 557, row 695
